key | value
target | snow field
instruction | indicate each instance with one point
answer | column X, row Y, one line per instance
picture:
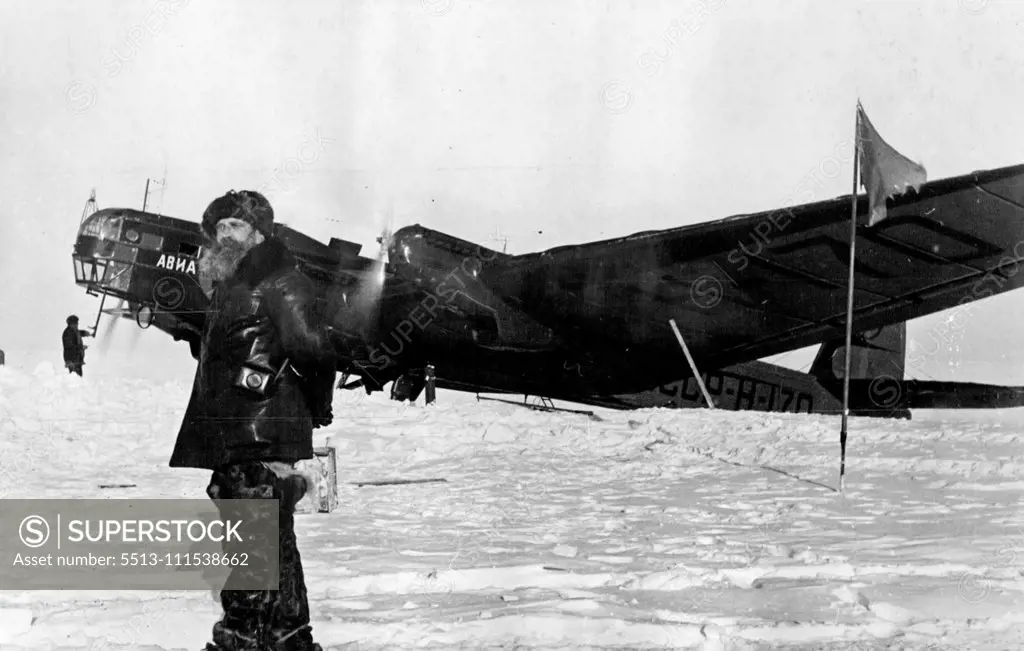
column 643, row 529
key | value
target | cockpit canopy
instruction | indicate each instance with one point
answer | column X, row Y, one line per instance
column 103, row 224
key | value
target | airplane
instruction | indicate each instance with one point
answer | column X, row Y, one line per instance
column 592, row 323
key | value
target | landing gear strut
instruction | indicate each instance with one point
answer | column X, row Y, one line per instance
column 410, row 384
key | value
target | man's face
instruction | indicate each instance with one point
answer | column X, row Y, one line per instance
column 234, row 239
column 234, row 229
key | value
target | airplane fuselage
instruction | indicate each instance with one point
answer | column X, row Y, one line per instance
column 591, row 322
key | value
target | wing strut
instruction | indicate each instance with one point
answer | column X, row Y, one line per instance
column 693, row 366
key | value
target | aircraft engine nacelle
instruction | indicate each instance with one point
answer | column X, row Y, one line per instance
column 451, row 272
column 426, row 255
column 459, row 276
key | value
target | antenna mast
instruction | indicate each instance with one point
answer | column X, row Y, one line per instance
column 162, row 184
column 90, row 206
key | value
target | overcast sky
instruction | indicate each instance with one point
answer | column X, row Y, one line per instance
column 546, row 122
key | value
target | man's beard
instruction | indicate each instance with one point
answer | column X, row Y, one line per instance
column 219, row 261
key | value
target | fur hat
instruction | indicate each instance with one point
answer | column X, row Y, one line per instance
column 247, row 205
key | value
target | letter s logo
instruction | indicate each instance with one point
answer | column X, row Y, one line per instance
column 706, row 292
column 379, row 360
column 885, row 391
column 169, row 293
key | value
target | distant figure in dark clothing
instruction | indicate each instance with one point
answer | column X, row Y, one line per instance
column 74, row 349
column 2, row 358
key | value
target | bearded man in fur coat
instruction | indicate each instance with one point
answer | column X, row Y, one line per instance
column 255, row 401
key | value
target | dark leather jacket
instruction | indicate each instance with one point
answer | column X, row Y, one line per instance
column 262, row 331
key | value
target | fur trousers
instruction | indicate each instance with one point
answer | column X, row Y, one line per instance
column 265, row 620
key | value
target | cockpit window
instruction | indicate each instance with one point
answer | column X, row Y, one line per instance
column 105, row 226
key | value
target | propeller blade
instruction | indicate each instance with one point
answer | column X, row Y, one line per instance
column 363, row 304
column 375, row 287
column 110, row 323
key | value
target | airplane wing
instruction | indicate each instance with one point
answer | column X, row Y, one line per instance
column 751, row 286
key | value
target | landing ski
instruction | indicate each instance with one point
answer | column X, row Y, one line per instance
column 545, row 408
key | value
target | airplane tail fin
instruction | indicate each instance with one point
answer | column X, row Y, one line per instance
column 875, row 353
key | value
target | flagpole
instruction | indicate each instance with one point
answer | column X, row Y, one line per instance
column 849, row 301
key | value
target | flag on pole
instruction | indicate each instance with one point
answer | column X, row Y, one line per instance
column 884, row 171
